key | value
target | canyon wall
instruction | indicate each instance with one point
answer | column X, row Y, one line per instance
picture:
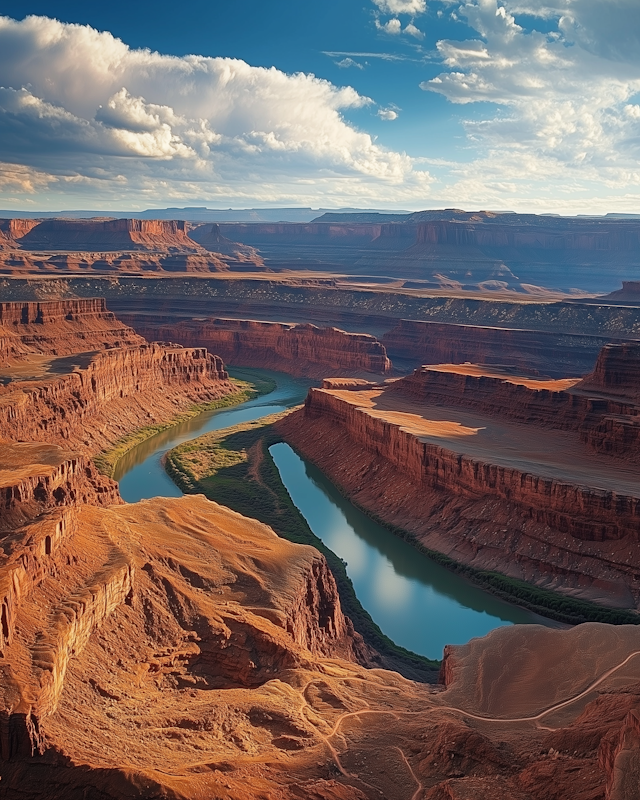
column 304, row 350
column 577, row 510
column 61, row 327
column 607, row 422
column 325, row 301
column 106, row 234
column 120, row 390
column 547, row 493
column 542, row 352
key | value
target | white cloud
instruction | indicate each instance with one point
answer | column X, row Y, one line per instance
column 393, row 26
column 84, row 109
column 565, row 123
column 412, row 7
column 387, row 114
column 412, row 30
column 345, row 63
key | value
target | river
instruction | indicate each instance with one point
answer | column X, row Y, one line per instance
column 417, row 603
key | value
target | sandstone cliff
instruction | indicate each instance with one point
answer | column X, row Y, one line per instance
column 107, row 234
column 61, row 328
column 118, row 391
column 304, row 350
column 522, row 499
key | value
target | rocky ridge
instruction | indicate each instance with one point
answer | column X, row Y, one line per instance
column 61, row 328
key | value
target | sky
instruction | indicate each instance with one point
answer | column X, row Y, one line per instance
column 522, row 105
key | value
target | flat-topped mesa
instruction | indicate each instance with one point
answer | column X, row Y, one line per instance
column 607, row 423
column 61, row 327
column 617, row 372
column 109, row 234
column 117, row 392
column 300, row 349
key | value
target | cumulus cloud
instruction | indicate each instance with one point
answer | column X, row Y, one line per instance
column 387, row 114
column 412, row 7
column 80, row 105
column 565, row 114
column 393, row 26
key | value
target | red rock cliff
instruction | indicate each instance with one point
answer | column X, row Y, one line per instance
column 108, row 234
column 298, row 349
column 61, row 327
column 508, row 497
column 119, row 391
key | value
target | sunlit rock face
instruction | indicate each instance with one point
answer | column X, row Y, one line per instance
column 303, row 350
column 497, row 471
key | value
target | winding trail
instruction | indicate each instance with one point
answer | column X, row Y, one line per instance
column 535, row 718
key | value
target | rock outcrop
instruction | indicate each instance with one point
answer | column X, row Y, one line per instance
column 601, row 408
column 104, row 235
column 527, row 498
column 36, row 477
column 303, row 350
column 61, row 328
column 118, row 391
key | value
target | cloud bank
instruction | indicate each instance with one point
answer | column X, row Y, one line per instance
column 81, row 111
column 564, row 123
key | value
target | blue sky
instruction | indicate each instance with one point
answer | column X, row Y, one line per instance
column 530, row 105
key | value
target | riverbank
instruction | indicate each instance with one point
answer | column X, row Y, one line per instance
column 234, row 468
column 107, row 460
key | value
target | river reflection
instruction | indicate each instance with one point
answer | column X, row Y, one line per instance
column 140, row 472
column 417, row 603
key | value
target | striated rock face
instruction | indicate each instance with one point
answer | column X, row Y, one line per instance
column 543, row 352
column 60, row 328
column 38, row 477
column 118, row 391
column 607, row 422
column 106, row 234
column 304, row 350
column 617, row 372
column 521, row 497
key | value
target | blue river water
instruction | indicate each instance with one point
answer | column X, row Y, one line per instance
column 417, row 603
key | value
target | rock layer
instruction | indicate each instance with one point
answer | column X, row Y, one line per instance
column 522, row 498
column 304, row 350
column 60, row 328
column 543, row 352
column 118, row 391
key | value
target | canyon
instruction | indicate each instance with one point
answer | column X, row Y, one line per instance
column 534, row 479
column 174, row 648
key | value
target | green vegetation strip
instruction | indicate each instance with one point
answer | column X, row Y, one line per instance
column 234, row 468
column 107, row 460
